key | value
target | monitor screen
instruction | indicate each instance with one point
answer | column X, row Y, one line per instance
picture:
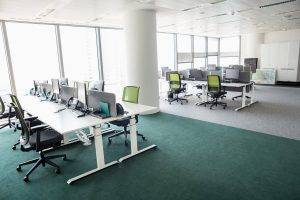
column 66, row 93
column 81, row 92
column 55, row 86
column 232, row 74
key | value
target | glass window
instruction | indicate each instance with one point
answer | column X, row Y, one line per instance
column 165, row 50
column 33, row 53
column 199, row 44
column 114, row 60
column 226, row 61
column 79, row 50
column 212, row 45
column 230, row 44
column 183, row 66
column 199, row 63
column 212, row 60
column 184, row 49
column 4, row 76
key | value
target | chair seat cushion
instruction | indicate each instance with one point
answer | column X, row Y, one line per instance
column 217, row 94
column 48, row 138
column 121, row 122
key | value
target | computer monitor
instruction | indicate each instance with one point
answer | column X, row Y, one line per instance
column 232, row 74
column 66, row 93
column 63, row 81
column 55, row 86
column 95, row 97
column 45, row 89
column 81, row 93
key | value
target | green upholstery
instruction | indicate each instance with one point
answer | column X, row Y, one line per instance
column 213, row 83
column 24, row 126
column 174, row 80
column 16, row 102
column 131, row 94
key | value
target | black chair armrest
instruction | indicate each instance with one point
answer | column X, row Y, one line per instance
column 39, row 127
column 30, row 118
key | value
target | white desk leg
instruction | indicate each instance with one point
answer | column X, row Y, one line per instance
column 244, row 98
column 133, row 141
column 99, row 155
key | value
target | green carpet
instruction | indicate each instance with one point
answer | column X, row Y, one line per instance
column 195, row 160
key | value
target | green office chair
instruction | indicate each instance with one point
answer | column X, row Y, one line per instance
column 176, row 88
column 215, row 91
column 38, row 138
column 131, row 95
column 31, row 119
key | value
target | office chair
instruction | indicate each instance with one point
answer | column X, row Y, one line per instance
column 38, row 138
column 176, row 88
column 6, row 114
column 131, row 95
column 97, row 85
column 32, row 119
column 215, row 91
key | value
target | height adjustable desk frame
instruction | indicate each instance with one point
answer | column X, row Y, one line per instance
column 66, row 122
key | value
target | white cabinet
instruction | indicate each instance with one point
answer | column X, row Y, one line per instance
column 284, row 57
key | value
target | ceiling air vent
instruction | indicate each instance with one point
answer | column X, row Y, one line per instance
column 276, row 4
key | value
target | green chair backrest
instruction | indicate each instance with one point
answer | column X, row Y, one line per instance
column 174, row 81
column 213, row 83
column 131, row 94
column 2, row 106
column 16, row 102
column 25, row 129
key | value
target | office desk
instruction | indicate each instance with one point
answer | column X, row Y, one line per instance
column 66, row 122
column 244, row 88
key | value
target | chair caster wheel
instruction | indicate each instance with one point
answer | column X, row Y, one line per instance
column 26, row 179
column 18, row 168
column 224, row 107
column 57, row 171
column 14, row 148
column 65, row 158
column 126, row 143
column 144, row 138
column 109, row 141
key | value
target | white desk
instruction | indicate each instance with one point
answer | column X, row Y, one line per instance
column 66, row 122
column 242, row 86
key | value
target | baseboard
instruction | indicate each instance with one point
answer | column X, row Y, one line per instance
column 285, row 83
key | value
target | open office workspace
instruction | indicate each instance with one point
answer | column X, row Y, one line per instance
column 154, row 99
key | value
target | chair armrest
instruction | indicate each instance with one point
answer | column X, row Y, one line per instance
column 30, row 118
column 39, row 127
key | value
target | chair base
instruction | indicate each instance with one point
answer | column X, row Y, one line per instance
column 240, row 96
column 118, row 133
column 41, row 160
column 178, row 99
column 214, row 103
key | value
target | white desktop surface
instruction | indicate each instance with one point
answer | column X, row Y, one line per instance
column 67, row 121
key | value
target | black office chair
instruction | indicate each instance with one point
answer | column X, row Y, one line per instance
column 176, row 88
column 38, row 138
column 131, row 95
column 32, row 119
column 6, row 114
column 215, row 91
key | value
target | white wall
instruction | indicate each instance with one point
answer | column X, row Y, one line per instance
column 282, row 36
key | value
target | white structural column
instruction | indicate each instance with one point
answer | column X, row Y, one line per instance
column 250, row 46
column 141, row 68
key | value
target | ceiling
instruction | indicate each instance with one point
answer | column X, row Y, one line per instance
column 198, row 17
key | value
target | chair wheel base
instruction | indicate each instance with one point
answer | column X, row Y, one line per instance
column 65, row 158
column 14, row 148
column 26, row 179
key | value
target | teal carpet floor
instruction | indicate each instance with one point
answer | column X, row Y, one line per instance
column 195, row 160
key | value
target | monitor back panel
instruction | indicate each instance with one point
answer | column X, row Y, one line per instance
column 94, row 97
